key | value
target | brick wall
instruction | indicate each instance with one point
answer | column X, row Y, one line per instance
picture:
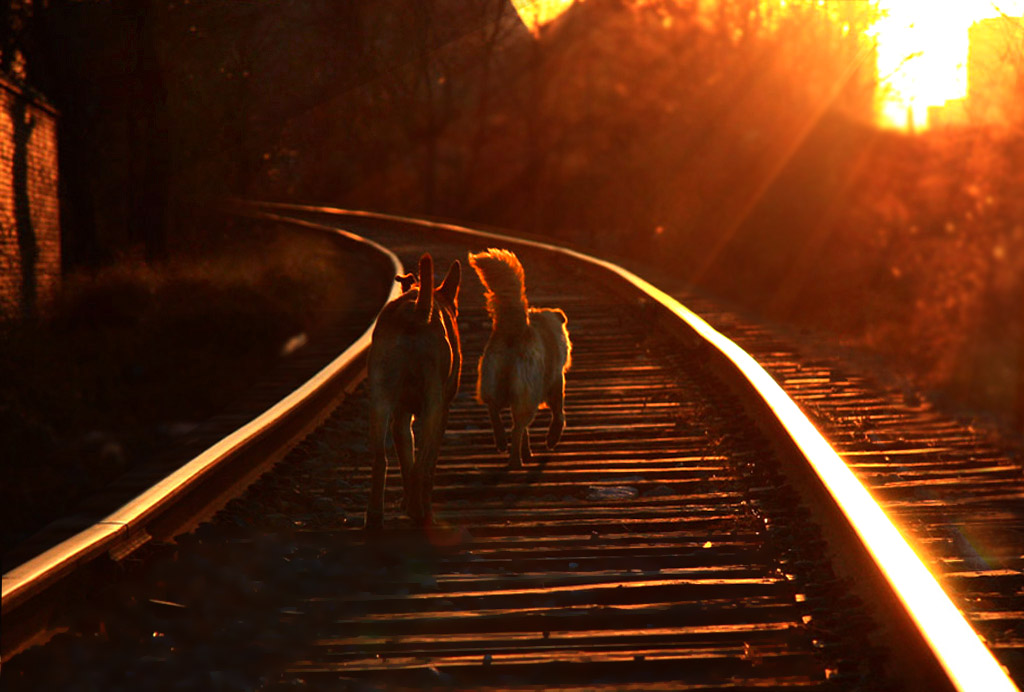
column 29, row 212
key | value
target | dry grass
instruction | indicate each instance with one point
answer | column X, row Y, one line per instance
column 132, row 350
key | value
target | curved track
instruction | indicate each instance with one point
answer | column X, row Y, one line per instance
column 662, row 545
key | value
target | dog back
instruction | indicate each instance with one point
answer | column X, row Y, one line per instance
column 550, row 324
column 416, row 344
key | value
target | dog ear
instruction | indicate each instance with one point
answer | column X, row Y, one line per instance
column 450, row 286
column 407, row 281
column 425, row 299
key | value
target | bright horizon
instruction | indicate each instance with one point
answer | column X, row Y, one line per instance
column 922, row 53
column 537, row 13
column 922, row 49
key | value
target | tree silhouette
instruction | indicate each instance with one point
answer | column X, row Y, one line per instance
column 147, row 134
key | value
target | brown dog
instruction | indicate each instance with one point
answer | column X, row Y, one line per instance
column 524, row 363
column 414, row 366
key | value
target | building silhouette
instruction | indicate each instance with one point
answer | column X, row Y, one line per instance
column 995, row 83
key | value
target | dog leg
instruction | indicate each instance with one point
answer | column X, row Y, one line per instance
column 401, row 431
column 556, row 401
column 500, row 437
column 430, row 460
column 375, row 505
column 522, row 416
column 431, row 432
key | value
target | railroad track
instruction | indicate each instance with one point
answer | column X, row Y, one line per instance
column 676, row 539
column 957, row 494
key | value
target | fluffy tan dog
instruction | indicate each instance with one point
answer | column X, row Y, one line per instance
column 414, row 366
column 524, row 363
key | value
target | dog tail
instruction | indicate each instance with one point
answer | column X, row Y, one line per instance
column 502, row 276
column 425, row 299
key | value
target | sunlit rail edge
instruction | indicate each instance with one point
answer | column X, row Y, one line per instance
column 969, row 664
column 126, row 528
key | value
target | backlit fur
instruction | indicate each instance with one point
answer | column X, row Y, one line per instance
column 524, row 363
column 415, row 361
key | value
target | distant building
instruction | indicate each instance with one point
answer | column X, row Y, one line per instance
column 953, row 112
column 995, row 84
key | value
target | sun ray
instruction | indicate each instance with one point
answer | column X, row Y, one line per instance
column 922, row 49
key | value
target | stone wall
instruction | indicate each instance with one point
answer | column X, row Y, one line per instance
column 29, row 209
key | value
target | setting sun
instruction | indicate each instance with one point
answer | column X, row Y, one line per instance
column 922, row 54
column 537, row 13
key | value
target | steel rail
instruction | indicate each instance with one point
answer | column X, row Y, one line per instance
column 196, row 488
column 941, row 649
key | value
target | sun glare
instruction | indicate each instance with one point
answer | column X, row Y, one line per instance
column 537, row 13
column 922, row 54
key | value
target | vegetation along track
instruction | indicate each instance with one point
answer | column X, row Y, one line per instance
column 666, row 543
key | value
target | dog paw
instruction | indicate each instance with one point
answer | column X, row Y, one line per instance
column 374, row 521
column 555, row 431
column 416, row 512
column 423, row 519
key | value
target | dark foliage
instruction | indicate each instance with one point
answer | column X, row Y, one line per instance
column 132, row 355
column 731, row 145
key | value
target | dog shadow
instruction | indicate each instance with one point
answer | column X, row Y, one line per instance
column 518, row 482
